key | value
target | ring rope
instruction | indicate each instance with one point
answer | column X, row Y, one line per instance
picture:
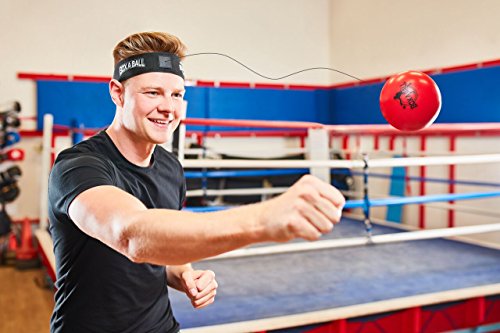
column 358, row 164
column 236, row 192
column 359, row 241
column 298, row 150
column 244, row 173
column 464, row 209
column 278, row 190
column 283, row 172
column 421, row 199
column 387, row 201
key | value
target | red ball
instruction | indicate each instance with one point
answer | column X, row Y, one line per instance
column 410, row 101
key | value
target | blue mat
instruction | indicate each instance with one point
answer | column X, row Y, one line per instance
column 284, row 284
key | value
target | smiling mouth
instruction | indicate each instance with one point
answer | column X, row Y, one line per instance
column 161, row 122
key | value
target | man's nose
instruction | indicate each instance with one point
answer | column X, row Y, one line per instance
column 167, row 105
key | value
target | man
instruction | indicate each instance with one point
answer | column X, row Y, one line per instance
column 119, row 237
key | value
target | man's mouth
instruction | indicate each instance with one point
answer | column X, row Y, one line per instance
column 160, row 122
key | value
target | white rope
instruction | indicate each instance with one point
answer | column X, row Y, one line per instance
column 272, row 164
column 435, row 160
column 282, row 152
column 353, row 164
column 236, row 191
column 464, row 209
column 359, row 241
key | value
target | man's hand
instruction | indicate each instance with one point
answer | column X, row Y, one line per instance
column 307, row 210
column 200, row 287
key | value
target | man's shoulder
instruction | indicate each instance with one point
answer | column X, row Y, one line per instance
column 164, row 156
column 93, row 148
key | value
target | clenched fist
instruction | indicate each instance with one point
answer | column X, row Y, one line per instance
column 200, row 286
column 306, row 210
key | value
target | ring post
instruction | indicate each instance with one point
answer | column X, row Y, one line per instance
column 319, row 150
column 48, row 121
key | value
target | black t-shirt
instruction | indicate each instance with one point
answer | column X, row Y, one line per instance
column 99, row 289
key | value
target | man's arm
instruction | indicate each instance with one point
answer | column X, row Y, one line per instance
column 169, row 237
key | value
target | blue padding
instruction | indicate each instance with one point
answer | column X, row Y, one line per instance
column 470, row 96
column 467, row 96
column 266, row 104
column 244, row 173
column 357, row 105
column 86, row 103
column 397, row 188
column 197, row 105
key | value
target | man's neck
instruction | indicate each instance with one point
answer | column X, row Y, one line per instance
column 135, row 151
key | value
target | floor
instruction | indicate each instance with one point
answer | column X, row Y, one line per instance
column 25, row 306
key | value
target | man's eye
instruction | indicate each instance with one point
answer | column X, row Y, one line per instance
column 178, row 95
column 152, row 93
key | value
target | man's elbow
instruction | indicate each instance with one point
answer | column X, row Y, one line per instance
column 127, row 243
column 132, row 241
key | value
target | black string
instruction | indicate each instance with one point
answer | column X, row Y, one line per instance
column 273, row 78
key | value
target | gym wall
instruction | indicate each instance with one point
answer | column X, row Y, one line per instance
column 362, row 37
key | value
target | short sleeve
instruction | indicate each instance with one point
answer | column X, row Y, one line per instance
column 75, row 174
column 182, row 194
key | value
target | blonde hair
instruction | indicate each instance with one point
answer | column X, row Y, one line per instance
column 145, row 42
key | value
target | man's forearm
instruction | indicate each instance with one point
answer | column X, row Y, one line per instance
column 167, row 237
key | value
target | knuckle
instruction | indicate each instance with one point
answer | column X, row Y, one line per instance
column 298, row 206
column 306, row 180
column 292, row 226
column 312, row 236
column 326, row 227
column 309, row 194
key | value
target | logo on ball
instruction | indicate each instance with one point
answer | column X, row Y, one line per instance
column 407, row 96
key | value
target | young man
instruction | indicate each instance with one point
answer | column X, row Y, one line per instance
column 119, row 237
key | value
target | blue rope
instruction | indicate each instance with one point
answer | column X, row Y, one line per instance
column 385, row 201
column 245, row 173
column 421, row 199
column 282, row 172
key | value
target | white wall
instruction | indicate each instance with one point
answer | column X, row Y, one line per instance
column 77, row 37
column 382, row 37
column 366, row 38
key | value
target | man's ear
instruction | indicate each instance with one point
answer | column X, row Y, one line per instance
column 116, row 91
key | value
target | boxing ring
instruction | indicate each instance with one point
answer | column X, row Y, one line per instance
column 318, row 288
column 368, row 275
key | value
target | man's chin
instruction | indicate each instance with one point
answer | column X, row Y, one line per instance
column 161, row 139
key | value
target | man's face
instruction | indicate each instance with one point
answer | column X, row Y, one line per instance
column 152, row 106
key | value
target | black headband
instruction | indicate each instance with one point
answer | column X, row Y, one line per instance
column 146, row 63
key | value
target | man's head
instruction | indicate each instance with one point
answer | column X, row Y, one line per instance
column 148, row 85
